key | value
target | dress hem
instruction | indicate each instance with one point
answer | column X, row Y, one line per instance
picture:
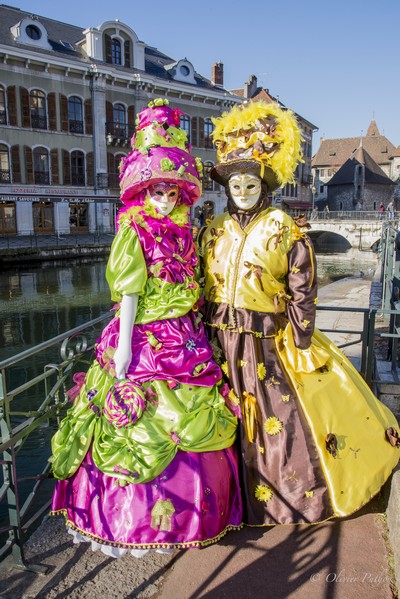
column 184, row 545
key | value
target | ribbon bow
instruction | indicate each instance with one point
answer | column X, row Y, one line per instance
column 215, row 236
column 255, row 269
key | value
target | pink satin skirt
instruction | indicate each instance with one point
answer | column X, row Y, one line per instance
column 192, row 503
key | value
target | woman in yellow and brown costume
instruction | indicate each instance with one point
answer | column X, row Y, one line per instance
column 314, row 440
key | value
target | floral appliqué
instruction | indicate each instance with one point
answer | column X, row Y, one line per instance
column 261, row 371
column 273, row 425
column 263, row 493
column 225, row 369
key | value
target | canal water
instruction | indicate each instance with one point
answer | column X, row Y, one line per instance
column 39, row 303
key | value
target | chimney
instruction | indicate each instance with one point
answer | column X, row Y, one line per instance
column 250, row 87
column 217, row 73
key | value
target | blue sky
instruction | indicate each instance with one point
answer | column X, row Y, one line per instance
column 335, row 63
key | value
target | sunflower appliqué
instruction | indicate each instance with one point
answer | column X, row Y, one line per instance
column 225, row 369
column 261, row 371
column 273, row 425
column 263, row 493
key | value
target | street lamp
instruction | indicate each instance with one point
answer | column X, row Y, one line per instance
column 313, row 191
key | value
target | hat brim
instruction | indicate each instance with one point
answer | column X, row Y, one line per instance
column 222, row 171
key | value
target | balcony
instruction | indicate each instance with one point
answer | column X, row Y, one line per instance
column 42, row 178
column 3, row 117
column 75, row 126
column 5, row 176
column 119, row 135
column 108, row 181
column 78, row 180
column 38, row 122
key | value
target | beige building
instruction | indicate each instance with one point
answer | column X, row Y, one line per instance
column 68, row 101
column 334, row 153
column 296, row 197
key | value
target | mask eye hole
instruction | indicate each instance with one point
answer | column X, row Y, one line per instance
column 236, row 186
column 172, row 195
column 159, row 193
column 251, row 186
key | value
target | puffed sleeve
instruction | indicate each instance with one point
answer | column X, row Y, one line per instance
column 126, row 269
column 302, row 285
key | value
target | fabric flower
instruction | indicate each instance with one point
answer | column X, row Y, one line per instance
column 124, row 404
column 263, row 493
column 273, row 425
column 225, row 369
column 261, row 371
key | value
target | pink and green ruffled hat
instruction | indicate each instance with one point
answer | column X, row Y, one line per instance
column 160, row 153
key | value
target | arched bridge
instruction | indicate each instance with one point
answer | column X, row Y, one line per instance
column 339, row 229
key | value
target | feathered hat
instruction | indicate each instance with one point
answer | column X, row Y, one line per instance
column 260, row 138
column 160, row 152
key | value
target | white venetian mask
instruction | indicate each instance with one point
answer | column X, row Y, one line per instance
column 245, row 190
column 164, row 196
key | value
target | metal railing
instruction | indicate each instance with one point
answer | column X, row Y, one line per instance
column 356, row 215
column 390, row 279
column 17, row 424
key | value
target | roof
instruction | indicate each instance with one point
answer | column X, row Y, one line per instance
column 59, row 32
column 373, row 173
column 335, row 152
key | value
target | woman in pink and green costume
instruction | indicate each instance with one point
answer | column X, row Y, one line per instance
column 145, row 456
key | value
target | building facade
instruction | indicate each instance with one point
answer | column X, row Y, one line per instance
column 68, row 101
column 333, row 154
column 295, row 197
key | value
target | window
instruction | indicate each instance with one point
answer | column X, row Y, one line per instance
column 208, row 129
column 37, row 106
column 207, row 181
column 322, row 172
column 116, row 54
column 5, row 175
column 185, row 71
column 77, row 168
column 119, row 117
column 3, row 111
column 78, row 217
column 41, row 166
column 8, row 217
column 43, row 217
column 321, row 189
column 33, row 32
column 185, row 125
column 75, row 115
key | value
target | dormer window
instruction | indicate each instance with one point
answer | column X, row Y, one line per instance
column 181, row 71
column 116, row 54
column 33, row 32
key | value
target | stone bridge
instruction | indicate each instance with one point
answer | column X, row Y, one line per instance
column 361, row 234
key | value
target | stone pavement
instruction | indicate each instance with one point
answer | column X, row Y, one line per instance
column 338, row 559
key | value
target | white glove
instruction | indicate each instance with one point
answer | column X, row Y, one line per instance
column 123, row 353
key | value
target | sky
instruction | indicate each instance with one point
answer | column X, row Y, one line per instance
column 334, row 63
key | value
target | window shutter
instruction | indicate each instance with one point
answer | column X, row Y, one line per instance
column 55, row 171
column 194, row 131
column 201, row 132
column 88, row 117
column 131, row 116
column 66, row 167
column 15, row 165
column 12, row 105
column 127, row 53
column 107, row 43
column 29, row 165
column 26, row 115
column 109, row 112
column 111, row 163
column 64, row 113
column 51, row 105
column 89, row 169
